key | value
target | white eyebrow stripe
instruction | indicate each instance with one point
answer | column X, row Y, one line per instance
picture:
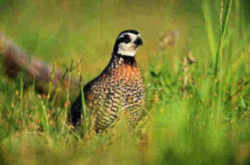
column 121, row 35
column 132, row 35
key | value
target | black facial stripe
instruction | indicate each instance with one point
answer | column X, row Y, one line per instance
column 138, row 41
column 125, row 39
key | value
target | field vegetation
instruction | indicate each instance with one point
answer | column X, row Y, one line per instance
column 195, row 63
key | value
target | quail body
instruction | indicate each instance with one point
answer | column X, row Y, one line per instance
column 118, row 89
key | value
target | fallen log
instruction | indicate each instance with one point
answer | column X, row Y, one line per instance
column 16, row 61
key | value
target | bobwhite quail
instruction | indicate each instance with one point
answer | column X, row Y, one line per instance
column 119, row 88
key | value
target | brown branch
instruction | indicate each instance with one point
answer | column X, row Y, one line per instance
column 16, row 61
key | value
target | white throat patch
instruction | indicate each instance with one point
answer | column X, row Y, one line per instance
column 126, row 52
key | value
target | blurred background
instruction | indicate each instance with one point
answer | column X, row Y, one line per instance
column 195, row 116
column 59, row 31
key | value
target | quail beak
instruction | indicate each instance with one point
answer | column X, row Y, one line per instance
column 138, row 42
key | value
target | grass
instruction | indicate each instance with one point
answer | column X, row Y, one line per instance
column 203, row 121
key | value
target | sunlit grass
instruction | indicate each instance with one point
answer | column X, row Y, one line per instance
column 203, row 121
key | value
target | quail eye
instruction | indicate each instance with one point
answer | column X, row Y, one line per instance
column 126, row 39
